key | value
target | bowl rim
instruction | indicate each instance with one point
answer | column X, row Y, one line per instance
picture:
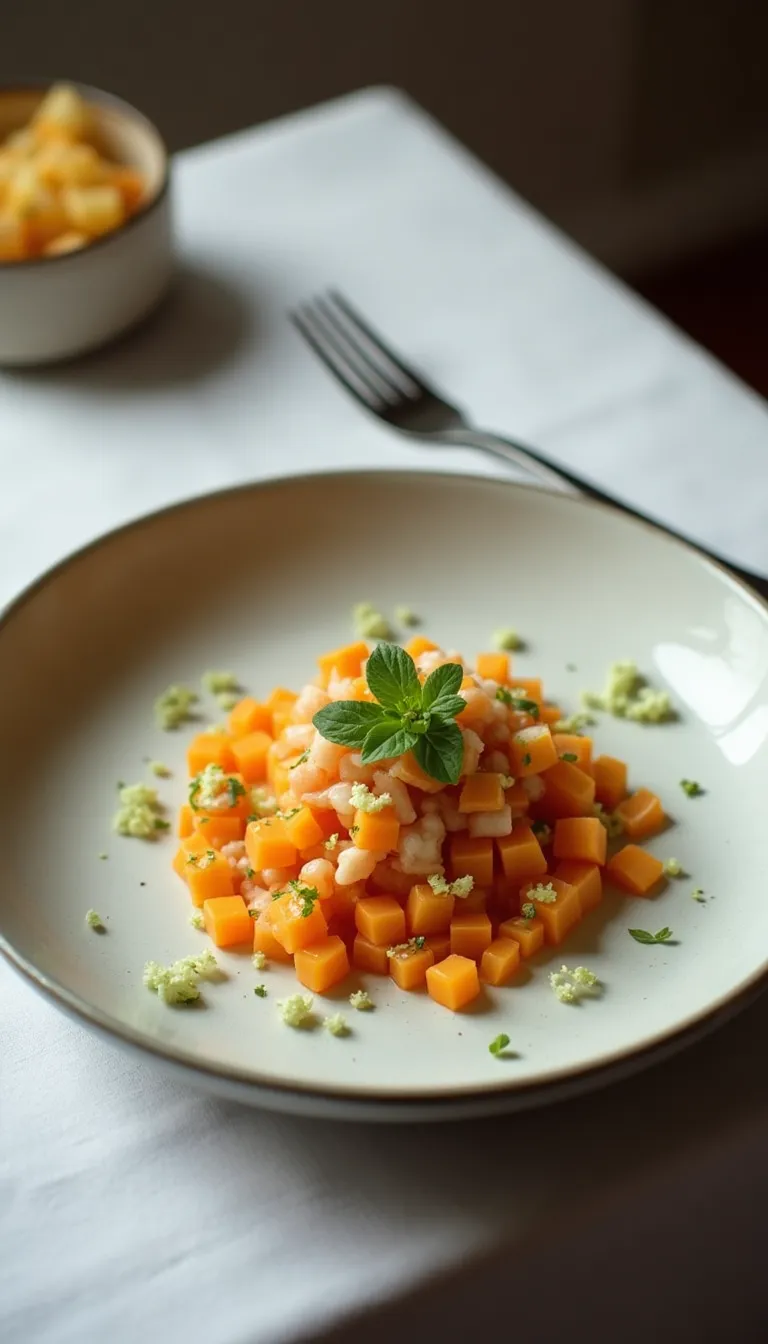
column 92, row 94
column 247, row 1084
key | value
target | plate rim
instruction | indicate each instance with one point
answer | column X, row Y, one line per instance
column 558, row 1080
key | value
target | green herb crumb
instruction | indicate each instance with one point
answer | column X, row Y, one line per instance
column 361, row 1000
column 174, row 707
column 103, row 855
column 527, row 758
column 95, row 922
column 404, row 616
column 542, row 831
column 258, row 959
column 673, row 868
column 336, row 1024
column 138, row 813
column 370, row 623
column 178, row 983
column 545, row 895
column 698, row 894
column 691, row 788
column 460, row 887
column 627, row 695
column 363, row 800
column 158, row 768
column 296, row 1011
column 568, row 756
column 260, row 991
column 219, row 683
column 332, row 841
column 573, row 723
column 569, row 986
column 507, row 639
column 196, row 920
column 528, row 910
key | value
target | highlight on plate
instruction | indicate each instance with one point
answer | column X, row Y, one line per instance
column 407, row 815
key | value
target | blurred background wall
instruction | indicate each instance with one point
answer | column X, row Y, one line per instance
column 640, row 126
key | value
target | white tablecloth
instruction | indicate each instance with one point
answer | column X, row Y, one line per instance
column 131, row 1205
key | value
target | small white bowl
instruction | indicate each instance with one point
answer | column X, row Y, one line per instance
column 53, row 308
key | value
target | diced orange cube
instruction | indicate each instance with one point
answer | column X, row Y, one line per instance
column 521, row 854
column 573, row 744
column 380, row 919
column 532, row 750
column 186, row 821
column 493, row 667
column 470, row 935
column 641, row 814
column 210, row 749
column 528, row 933
column 346, row 661
column 635, row 870
column 550, row 714
column 219, row 830
column 530, row 686
column 249, row 716
column 268, row 845
column 205, row 871
column 583, row 838
column 419, row 644
column 516, row 798
column 482, row 792
column 500, row 960
column 475, row 903
column 322, row 965
column 610, row 777
column 227, row 920
column 472, row 858
column 303, row 829
column 366, row 956
column 558, row 916
column 408, row 966
column 454, row 982
column 280, row 704
column 439, row 945
column 427, row 911
column 296, row 922
column 586, row 879
column 265, row 941
column 569, row 792
column 378, row 831
column 250, row 753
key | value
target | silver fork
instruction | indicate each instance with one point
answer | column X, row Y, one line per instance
column 370, row 370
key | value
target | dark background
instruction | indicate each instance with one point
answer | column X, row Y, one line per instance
column 639, row 126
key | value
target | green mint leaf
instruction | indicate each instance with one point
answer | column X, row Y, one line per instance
column 392, row 678
column 643, row 936
column 447, row 707
column 444, row 681
column 440, row 752
column 387, row 738
column 347, row 723
column 499, row 1044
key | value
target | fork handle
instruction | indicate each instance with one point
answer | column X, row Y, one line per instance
column 541, row 469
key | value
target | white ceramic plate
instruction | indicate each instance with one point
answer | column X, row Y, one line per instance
column 262, row 579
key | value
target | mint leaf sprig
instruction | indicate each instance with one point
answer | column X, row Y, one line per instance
column 405, row 716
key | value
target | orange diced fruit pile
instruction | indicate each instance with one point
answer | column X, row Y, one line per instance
column 288, row 845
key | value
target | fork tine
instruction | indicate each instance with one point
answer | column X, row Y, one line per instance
column 340, row 368
column 358, row 355
column 379, row 345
